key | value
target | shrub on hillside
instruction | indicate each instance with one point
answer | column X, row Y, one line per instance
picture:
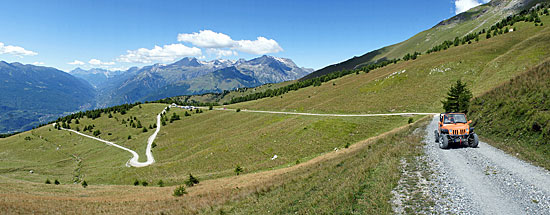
column 238, row 110
column 56, row 182
column 48, row 181
column 191, row 181
column 84, row 184
column 144, row 183
column 136, row 182
column 239, row 170
column 160, row 183
column 180, row 191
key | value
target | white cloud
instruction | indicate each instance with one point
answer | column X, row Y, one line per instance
column 97, row 62
column 38, row 63
column 167, row 53
column 207, row 39
column 259, row 46
column 465, row 5
column 76, row 62
column 210, row 39
column 221, row 52
column 15, row 50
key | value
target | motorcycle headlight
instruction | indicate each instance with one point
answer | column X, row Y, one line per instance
column 450, row 130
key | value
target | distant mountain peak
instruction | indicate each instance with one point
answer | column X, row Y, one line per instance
column 187, row 61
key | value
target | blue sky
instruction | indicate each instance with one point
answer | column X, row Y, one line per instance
column 119, row 34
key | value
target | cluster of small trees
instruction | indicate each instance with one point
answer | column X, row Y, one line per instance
column 177, row 101
column 94, row 114
column 56, row 182
column 175, row 117
column 8, row 134
column 180, row 190
column 501, row 27
column 413, row 56
column 456, row 42
column 65, row 122
column 143, row 183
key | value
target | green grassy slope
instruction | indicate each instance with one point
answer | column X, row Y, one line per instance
column 359, row 178
column 516, row 115
column 471, row 21
column 359, row 182
column 209, row 145
column 419, row 85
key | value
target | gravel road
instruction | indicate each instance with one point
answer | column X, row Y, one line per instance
column 324, row 114
column 484, row 180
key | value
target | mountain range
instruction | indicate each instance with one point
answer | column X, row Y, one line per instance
column 187, row 76
column 39, row 94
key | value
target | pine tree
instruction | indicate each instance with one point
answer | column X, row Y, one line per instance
column 458, row 98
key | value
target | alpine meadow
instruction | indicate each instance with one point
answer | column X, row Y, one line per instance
column 238, row 122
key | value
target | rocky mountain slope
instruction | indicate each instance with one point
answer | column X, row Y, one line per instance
column 473, row 20
column 188, row 76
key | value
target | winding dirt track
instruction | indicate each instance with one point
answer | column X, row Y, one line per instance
column 135, row 156
column 150, row 159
